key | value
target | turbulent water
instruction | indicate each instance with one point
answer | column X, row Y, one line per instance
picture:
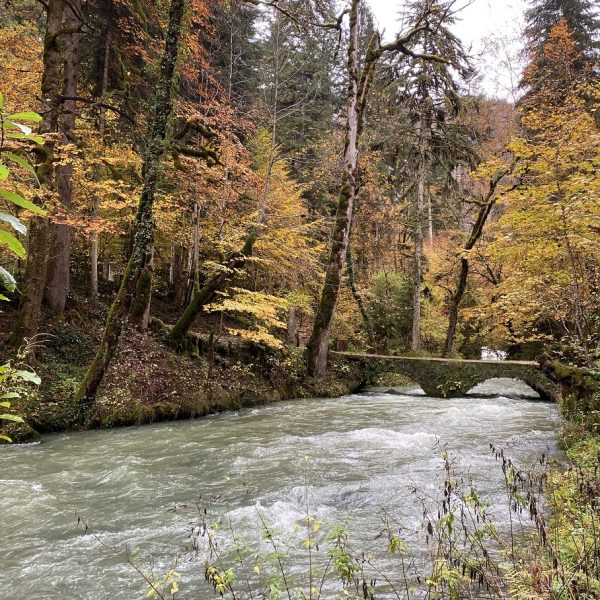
column 355, row 457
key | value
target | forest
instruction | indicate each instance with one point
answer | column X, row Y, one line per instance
column 280, row 173
column 205, row 205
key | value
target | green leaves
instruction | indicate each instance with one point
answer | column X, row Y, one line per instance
column 25, row 135
column 28, row 376
column 12, row 128
column 12, row 123
column 22, row 163
column 25, row 116
column 7, row 280
column 8, row 377
column 8, row 239
column 13, row 418
column 22, row 202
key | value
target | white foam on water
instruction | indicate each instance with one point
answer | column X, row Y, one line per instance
column 366, row 454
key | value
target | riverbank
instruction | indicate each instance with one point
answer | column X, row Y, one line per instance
column 148, row 382
column 563, row 559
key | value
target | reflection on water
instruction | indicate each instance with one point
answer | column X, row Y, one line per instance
column 367, row 451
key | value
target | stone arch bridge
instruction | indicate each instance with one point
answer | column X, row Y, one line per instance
column 451, row 378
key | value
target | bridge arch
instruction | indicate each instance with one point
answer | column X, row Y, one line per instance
column 502, row 386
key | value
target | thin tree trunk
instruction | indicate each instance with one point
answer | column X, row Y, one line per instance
column 59, row 259
column 96, row 205
column 419, row 209
column 144, row 223
column 94, row 256
column 430, row 219
column 196, row 250
column 26, row 327
column 181, row 275
column 291, row 334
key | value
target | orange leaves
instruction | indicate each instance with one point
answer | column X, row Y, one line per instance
column 20, row 57
column 554, row 71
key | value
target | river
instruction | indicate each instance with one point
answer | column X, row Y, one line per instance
column 350, row 458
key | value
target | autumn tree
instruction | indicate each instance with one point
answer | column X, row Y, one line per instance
column 144, row 224
column 547, row 234
column 581, row 17
column 282, row 112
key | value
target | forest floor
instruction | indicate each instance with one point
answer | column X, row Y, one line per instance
column 148, row 382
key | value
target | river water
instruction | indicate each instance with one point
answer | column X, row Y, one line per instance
column 352, row 458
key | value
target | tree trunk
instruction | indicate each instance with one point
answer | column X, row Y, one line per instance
column 26, row 327
column 291, row 334
column 476, row 233
column 208, row 291
column 318, row 344
column 454, row 304
column 196, row 250
column 59, row 258
column 430, row 219
column 419, row 209
column 139, row 315
column 180, row 275
column 144, row 222
column 96, row 205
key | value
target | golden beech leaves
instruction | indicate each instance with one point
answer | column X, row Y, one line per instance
column 548, row 239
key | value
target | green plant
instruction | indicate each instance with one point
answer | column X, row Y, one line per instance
column 9, row 380
column 15, row 137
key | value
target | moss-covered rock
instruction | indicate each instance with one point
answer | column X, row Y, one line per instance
column 580, row 393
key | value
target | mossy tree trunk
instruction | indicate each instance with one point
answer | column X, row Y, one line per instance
column 463, row 274
column 368, row 323
column 58, row 280
column 26, row 326
column 418, row 216
column 140, row 309
column 208, row 291
column 143, row 231
column 318, row 344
